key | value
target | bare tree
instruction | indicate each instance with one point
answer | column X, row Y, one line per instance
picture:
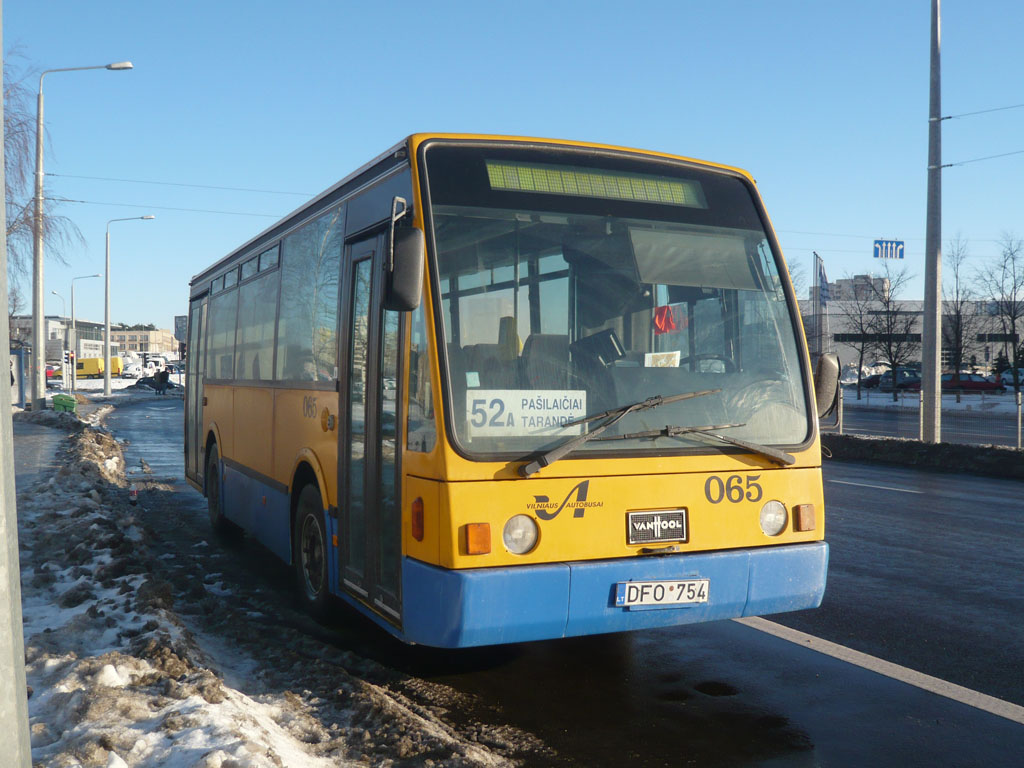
column 858, row 324
column 798, row 276
column 960, row 321
column 892, row 324
column 59, row 232
column 15, row 302
column 1002, row 280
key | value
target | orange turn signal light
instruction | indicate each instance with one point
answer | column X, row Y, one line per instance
column 416, row 518
column 803, row 517
column 478, row 538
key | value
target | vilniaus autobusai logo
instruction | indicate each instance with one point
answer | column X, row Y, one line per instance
column 549, row 510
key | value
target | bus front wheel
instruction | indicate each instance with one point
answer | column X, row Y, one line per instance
column 220, row 524
column 310, row 555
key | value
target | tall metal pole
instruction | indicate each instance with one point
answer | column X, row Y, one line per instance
column 15, row 749
column 38, row 332
column 64, row 316
column 931, row 356
column 106, row 320
column 74, row 341
column 74, row 330
column 106, row 307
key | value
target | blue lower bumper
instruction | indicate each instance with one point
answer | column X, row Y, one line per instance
column 488, row 606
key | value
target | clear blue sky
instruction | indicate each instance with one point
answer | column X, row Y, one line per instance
column 826, row 103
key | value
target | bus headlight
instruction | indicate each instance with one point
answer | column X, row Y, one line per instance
column 520, row 534
column 773, row 518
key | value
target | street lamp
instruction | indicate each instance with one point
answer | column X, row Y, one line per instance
column 106, row 307
column 74, row 330
column 38, row 333
column 64, row 316
column 63, row 304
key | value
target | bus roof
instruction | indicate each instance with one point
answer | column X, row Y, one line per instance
column 394, row 157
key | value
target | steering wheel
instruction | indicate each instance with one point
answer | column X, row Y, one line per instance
column 730, row 365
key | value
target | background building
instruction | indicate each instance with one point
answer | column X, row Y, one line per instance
column 863, row 287
column 155, row 341
column 57, row 331
column 849, row 324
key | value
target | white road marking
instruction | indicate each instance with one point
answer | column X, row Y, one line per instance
column 879, row 487
column 920, row 680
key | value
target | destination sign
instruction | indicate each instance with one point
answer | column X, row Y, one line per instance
column 524, row 412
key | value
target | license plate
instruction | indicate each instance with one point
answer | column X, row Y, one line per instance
column 664, row 593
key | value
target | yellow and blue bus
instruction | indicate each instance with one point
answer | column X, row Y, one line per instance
column 497, row 389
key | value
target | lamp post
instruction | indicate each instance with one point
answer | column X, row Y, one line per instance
column 106, row 307
column 38, row 334
column 74, row 330
column 64, row 316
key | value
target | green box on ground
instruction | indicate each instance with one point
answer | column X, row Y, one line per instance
column 64, row 403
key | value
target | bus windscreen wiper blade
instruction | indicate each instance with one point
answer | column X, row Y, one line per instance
column 711, row 431
column 612, row 416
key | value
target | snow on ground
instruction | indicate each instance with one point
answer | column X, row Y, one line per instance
column 1003, row 403
column 117, row 676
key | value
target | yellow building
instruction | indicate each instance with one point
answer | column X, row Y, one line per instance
column 159, row 341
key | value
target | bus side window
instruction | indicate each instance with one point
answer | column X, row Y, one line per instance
column 422, row 432
column 306, row 327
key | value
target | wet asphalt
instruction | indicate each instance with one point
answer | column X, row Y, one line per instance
column 725, row 694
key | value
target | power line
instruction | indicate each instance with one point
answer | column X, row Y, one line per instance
column 176, row 184
column 165, row 208
column 981, row 112
column 979, row 159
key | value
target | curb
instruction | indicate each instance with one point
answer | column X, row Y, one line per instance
column 986, row 460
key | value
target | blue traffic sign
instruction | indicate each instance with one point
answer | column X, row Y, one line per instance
column 888, row 249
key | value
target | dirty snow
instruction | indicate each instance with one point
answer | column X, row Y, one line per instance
column 122, row 671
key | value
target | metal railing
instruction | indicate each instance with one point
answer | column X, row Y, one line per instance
column 967, row 417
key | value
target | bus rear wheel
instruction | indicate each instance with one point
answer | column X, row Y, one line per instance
column 220, row 524
column 310, row 552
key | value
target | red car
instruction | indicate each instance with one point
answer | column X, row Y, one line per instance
column 970, row 382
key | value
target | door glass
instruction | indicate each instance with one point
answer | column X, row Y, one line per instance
column 390, row 517
column 358, row 380
column 192, row 402
column 197, row 366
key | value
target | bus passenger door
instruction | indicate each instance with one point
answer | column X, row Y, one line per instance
column 368, row 453
column 194, row 391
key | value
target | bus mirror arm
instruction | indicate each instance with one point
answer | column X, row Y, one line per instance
column 826, row 384
column 404, row 264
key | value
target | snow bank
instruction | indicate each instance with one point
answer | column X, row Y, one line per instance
column 117, row 676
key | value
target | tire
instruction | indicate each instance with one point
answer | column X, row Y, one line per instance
column 220, row 524
column 309, row 545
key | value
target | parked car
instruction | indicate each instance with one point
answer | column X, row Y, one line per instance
column 1006, row 377
column 970, row 382
column 133, row 371
column 904, row 378
column 870, row 382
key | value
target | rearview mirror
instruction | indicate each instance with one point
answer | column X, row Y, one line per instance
column 826, row 384
column 404, row 269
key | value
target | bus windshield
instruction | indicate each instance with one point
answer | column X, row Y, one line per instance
column 572, row 284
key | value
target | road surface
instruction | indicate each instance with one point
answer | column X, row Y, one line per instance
column 925, row 573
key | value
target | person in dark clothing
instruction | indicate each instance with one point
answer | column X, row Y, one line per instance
column 161, row 377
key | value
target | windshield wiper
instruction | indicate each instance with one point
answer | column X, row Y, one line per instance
column 670, row 431
column 612, row 416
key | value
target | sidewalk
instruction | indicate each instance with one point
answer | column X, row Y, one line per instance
column 35, row 448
